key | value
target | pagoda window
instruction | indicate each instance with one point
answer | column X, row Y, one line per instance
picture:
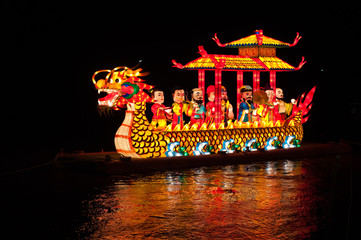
column 267, row 52
column 257, row 51
column 251, row 51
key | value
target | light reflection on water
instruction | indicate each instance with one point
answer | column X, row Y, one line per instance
column 272, row 200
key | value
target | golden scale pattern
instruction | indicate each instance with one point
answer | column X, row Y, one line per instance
column 148, row 143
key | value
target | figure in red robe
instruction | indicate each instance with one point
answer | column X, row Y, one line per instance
column 159, row 120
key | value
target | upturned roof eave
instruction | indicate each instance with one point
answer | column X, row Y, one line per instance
column 262, row 66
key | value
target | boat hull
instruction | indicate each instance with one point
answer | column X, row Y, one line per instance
column 135, row 137
column 215, row 138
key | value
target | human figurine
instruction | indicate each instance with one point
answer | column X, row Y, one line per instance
column 159, row 120
column 284, row 109
column 210, row 107
column 179, row 107
column 270, row 113
column 227, row 108
column 261, row 99
column 199, row 111
column 270, row 93
column 246, row 107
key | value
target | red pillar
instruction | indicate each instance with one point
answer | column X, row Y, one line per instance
column 239, row 85
column 256, row 81
column 218, row 101
column 272, row 80
column 201, row 82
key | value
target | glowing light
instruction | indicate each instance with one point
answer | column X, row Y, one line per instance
column 256, row 80
column 239, row 85
column 136, row 138
column 201, row 83
column 226, row 146
column 287, row 143
column 200, row 149
column 171, row 150
column 256, row 39
column 236, row 62
column 249, row 145
column 272, row 78
column 102, row 81
column 257, row 52
column 218, row 81
column 269, row 144
column 304, row 104
column 203, row 127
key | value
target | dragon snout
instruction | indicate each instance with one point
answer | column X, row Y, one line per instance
column 108, row 97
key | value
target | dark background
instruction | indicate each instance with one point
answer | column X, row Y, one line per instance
column 52, row 49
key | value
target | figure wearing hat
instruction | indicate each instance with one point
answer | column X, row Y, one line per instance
column 270, row 93
column 227, row 108
column 246, row 106
column 199, row 111
column 179, row 107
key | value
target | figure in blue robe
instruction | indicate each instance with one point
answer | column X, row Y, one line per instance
column 246, row 106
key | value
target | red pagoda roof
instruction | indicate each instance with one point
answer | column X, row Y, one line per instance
column 236, row 62
column 257, row 39
column 252, row 40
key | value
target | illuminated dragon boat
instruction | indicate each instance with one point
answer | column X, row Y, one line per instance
column 136, row 138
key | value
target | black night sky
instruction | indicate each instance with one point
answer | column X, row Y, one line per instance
column 52, row 49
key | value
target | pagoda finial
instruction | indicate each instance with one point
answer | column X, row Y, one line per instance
column 298, row 37
column 217, row 41
column 259, row 36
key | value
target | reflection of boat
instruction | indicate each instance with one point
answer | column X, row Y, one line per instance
column 108, row 162
column 136, row 138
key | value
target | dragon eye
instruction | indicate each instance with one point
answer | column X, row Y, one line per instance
column 117, row 80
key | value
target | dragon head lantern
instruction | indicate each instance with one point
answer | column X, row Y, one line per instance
column 120, row 87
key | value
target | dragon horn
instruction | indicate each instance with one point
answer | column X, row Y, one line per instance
column 93, row 78
column 112, row 71
column 137, row 65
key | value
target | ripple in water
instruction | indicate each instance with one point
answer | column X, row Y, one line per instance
column 272, row 200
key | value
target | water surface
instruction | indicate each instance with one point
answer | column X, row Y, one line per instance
column 273, row 200
column 305, row 199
